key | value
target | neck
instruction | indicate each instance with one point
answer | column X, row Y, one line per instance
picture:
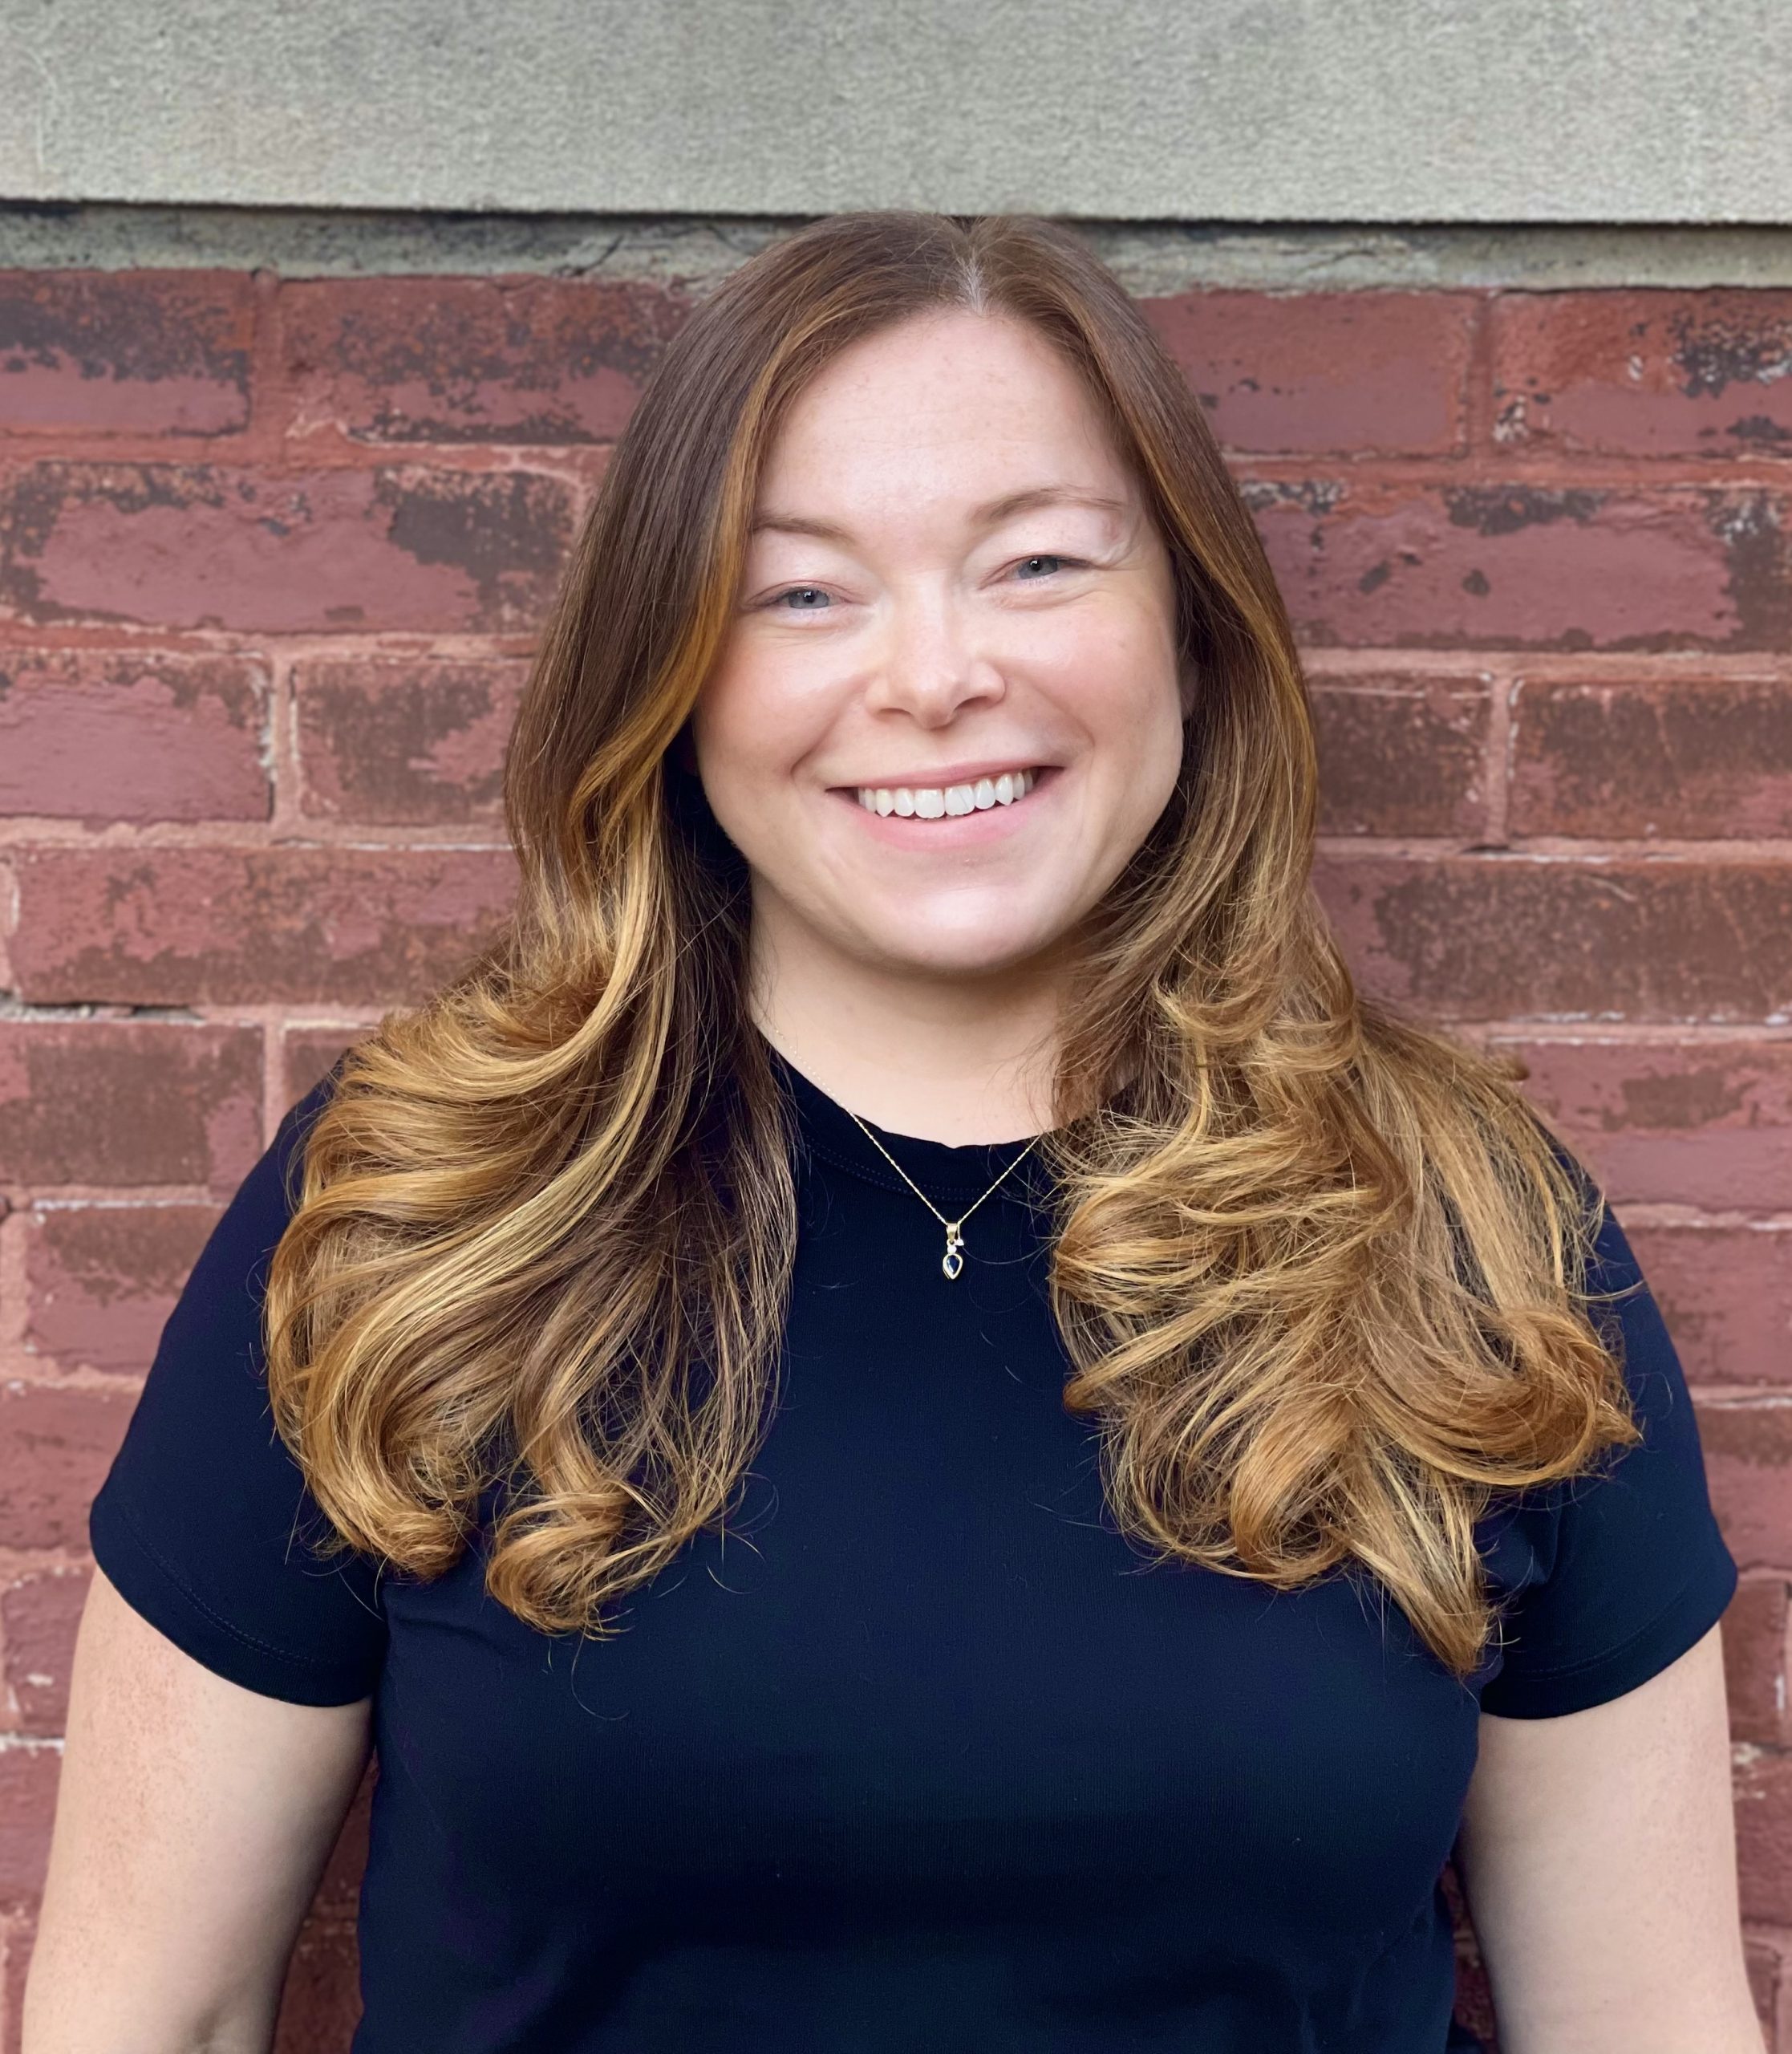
column 948, row 1057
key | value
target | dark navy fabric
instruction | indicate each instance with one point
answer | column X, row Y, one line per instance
column 922, row 1755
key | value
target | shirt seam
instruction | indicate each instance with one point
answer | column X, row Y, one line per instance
column 1522, row 1675
column 217, row 1618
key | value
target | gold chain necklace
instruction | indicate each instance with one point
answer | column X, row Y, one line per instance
column 952, row 1262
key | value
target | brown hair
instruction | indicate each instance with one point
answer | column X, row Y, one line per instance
column 1319, row 1272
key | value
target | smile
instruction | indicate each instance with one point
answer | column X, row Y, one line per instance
column 937, row 801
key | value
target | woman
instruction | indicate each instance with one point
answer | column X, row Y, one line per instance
column 1190, row 1443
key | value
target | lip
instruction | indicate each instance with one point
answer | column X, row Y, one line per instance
column 947, row 774
column 954, row 830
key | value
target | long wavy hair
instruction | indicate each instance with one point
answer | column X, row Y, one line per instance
column 1320, row 1273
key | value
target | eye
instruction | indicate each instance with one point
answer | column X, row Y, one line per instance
column 1052, row 561
column 804, row 592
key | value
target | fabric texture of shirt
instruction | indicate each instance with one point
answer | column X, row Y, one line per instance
column 922, row 1755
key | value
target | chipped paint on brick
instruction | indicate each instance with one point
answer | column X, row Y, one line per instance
column 201, row 546
column 530, row 361
column 135, row 352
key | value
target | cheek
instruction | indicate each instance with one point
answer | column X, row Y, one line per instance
column 1115, row 673
column 740, row 729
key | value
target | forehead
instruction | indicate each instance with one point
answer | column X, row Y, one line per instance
column 945, row 405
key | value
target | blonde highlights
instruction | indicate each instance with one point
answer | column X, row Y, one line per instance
column 1320, row 1273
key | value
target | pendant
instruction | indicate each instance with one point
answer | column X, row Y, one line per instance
column 953, row 1262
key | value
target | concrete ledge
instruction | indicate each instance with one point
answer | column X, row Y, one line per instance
column 1151, row 259
column 1121, row 109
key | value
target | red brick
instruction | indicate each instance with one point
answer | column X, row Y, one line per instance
column 1508, row 937
column 101, row 1281
column 1754, row 1662
column 1762, row 1959
column 1645, row 374
column 225, row 926
column 308, row 1053
column 1726, row 1294
column 201, row 546
column 1402, row 755
column 1764, row 1838
column 55, row 1447
column 443, row 360
column 1520, row 566
column 16, row 1936
column 338, row 1894
column 129, row 1102
column 1315, row 372
column 1748, row 1460
column 1704, row 1122
column 28, row 1777
column 38, row 1616
column 1682, row 758
column 405, row 743
column 320, row 2005
column 99, row 737
column 124, row 352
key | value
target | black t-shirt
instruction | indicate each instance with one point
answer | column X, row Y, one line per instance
column 924, row 1756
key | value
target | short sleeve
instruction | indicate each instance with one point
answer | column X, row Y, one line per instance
column 1613, row 1574
column 204, row 1521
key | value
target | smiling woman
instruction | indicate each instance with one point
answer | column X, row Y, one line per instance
column 956, row 629
column 914, row 799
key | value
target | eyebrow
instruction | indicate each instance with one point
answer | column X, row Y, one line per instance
column 989, row 515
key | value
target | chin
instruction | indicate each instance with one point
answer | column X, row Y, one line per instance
column 964, row 954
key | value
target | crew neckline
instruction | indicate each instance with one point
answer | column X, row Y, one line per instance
column 942, row 1169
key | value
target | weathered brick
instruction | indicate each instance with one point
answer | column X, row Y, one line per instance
column 129, row 1102
column 39, row 1615
column 406, row 743
column 124, row 352
column 101, row 736
column 1763, row 1786
column 1402, row 755
column 443, row 360
column 1754, row 1661
column 1699, row 1122
column 202, row 545
column 1675, row 757
column 1748, row 1460
column 1761, row 1958
column 1524, row 565
column 28, row 1778
column 310, row 1052
column 1325, row 371
column 55, row 1447
column 101, row 1281
column 16, row 1934
column 1726, row 1291
column 320, row 2004
column 1645, row 374
column 230, row 927
column 1469, row 937
column 338, row 1895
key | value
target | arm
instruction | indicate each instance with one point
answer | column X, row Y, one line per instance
column 1598, row 1855
column 193, row 1823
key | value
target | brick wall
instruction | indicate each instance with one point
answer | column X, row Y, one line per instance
column 269, row 555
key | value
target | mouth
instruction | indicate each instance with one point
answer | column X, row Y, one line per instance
column 954, row 801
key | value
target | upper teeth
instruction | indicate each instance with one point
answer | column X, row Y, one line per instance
column 929, row 802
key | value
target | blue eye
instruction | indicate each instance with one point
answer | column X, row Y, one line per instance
column 791, row 592
column 1055, row 560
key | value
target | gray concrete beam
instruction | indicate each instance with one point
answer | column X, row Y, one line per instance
column 697, row 252
column 1371, row 111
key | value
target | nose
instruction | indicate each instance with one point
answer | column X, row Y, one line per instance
column 933, row 660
